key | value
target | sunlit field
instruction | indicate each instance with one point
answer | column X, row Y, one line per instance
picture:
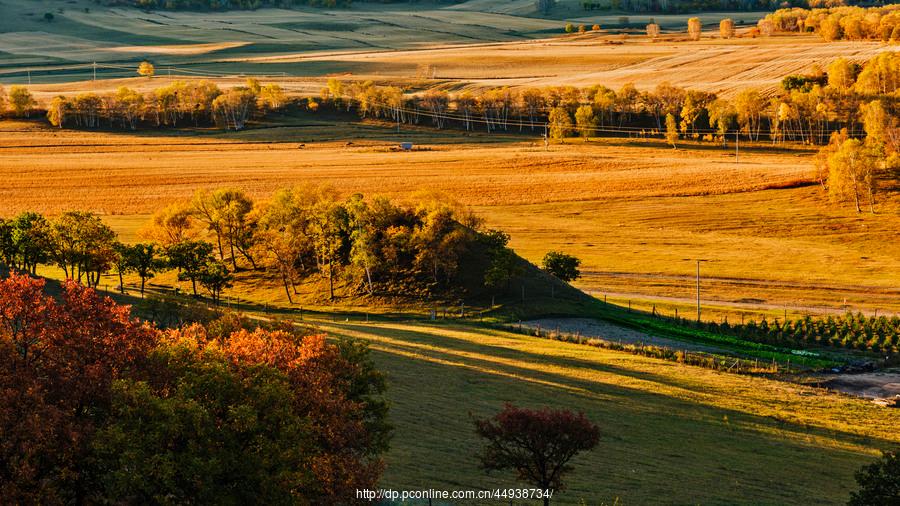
column 672, row 434
column 636, row 211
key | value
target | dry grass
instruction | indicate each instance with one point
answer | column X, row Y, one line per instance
column 136, row 174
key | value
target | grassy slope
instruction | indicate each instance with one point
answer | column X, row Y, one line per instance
column 672, row 434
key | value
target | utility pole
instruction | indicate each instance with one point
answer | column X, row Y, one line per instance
column 737, row 148
column 698, row 291
column 95, row 71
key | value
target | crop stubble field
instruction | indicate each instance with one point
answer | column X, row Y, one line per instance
column 637, row 212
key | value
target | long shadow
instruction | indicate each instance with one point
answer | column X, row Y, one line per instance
column 546, row 378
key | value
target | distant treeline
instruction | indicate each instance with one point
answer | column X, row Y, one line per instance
column 180, row 103
column 543, row 6
column 371, row 247
column 222, row 5
column 839, row 22
column 807, row 108
column 681, row 6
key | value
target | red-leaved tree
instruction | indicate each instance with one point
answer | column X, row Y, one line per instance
column 537, row 444
column 57, row 361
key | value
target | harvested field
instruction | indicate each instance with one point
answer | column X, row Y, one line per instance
column 635, row 211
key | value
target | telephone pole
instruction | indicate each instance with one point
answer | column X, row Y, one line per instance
column 737, row 146
column 698, row 291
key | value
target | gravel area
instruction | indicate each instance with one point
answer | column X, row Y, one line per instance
column 588, row 327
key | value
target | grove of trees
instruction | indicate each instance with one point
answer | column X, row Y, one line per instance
column 102, row 408
column 301, row 234
column 181, row 103
column 840, row 22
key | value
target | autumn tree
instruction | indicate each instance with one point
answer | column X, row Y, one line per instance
column 82, row 246
column 671, row 130
column 226, row 212
column 559, row 122
column 129, row 107
column 879, row 482
column 327, row 229
column 504, row 264
column 146, row 69
column 233, row 108
column 271, row 97
column 170, row 225
column 59, row 110
column 841, row 75
column 26, row 241
column 144, row 260
column 96, row 402
column 749, row 106
column 190, row 258
column 722, row 116
column 726, row 28
column 585, row 121
column 282, row 237
column 851, row 174
column 21, row 101
column 58, row 360
column 537, row 444
column 694, row 28
column 215, row 277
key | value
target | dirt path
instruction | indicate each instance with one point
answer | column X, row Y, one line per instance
column 588, row 327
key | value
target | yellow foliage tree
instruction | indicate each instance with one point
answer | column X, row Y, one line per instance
column 694, row 28
column 671, row 131
column 146, row 69
column 560, row 123
column 726, row 28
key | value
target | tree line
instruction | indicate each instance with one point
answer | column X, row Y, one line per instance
column 102, row 408
column 807, row 108
column 193, row 103
column 839, row 22
column 364, row 247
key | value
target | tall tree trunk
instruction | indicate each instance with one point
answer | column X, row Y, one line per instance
column 233, row 256
column 287, row 291
column 330, row 282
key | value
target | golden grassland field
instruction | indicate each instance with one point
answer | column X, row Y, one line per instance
column 722, row 67
column 637, row 212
